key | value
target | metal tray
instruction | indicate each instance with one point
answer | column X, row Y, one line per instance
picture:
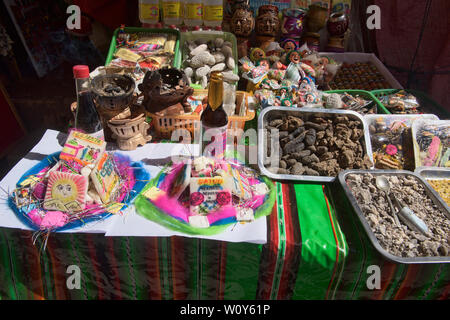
column 342, row 177
column 434, row 173
column 269, row 112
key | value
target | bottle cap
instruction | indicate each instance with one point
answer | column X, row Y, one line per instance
column 80, row 72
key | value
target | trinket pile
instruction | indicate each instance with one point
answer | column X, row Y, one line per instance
column 205, row 196
column 285, row 75
column 316, row 146
column 144, row 50
column 395, row 236
column 359, row 75
column 392, row 143
column 83, row 183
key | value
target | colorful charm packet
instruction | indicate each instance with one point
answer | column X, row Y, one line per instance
column 82, row 148
column 105, row 179
column 65, row 192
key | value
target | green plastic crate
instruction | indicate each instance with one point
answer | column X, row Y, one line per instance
column 366, row 95
column 177, row 56
column 427, row 104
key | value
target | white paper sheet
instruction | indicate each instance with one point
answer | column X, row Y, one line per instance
column 131, row 224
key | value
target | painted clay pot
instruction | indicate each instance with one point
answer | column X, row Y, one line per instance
column 315, row 21
column 293, row 23
column 316, row 18
column 337, row 24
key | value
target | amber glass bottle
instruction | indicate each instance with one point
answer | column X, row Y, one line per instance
column 215, row 118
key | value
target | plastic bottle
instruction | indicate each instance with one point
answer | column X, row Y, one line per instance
column 193, row 13
column 149, row 11
column 86, row 116
column 212, row 13
column 172, row 12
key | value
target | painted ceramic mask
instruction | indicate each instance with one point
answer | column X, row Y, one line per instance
column 242, row 23
column 267, row 23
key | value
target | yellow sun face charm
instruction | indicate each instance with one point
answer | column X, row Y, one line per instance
column 64, row 190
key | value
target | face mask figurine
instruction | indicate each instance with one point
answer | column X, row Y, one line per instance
column 267, row 25
column 242, row 24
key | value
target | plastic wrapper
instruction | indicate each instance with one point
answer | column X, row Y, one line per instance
column 401, row 102
column 391, row 140
column 431, row 140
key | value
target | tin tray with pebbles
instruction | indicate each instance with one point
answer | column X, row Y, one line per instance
column 311, row 144
column 400, row 242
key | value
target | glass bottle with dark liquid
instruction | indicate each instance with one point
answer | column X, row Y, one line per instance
column 86, row 116
column 214, row 120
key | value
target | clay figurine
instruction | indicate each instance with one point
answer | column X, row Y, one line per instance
column 164, row 88
column 129, row 133
column 257, row 54
column 267, row 25
column 242, row 24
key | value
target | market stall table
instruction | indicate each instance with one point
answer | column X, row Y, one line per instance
column 306, row 256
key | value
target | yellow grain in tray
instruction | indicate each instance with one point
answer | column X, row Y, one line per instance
column 442, row 187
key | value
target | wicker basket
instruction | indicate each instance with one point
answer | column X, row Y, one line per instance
column 165, row 125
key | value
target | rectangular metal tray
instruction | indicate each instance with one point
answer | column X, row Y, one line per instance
column 434, row 173
column 326, row 113
column 342, row 177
